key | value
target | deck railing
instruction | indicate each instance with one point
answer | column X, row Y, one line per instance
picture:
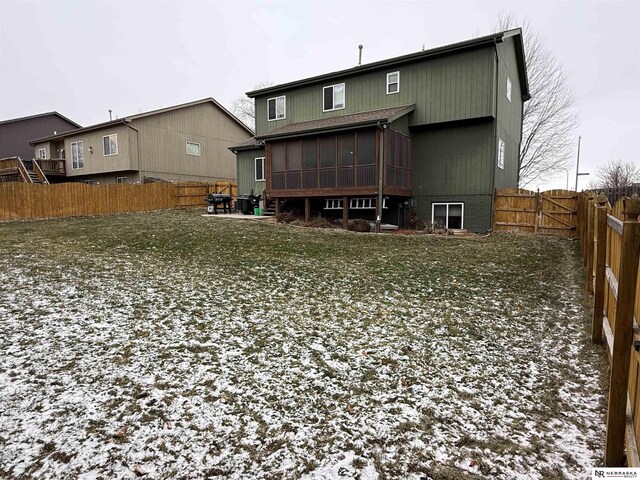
column 51, row 166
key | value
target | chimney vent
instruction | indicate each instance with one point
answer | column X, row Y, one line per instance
column 360, row 55
column 110, row 115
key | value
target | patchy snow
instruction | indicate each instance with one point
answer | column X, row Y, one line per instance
column 168, row 350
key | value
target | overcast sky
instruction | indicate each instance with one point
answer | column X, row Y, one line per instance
column 83, row 58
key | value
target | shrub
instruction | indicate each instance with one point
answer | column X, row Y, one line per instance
column 359, row 225
column 319, row 222
column 286, row 218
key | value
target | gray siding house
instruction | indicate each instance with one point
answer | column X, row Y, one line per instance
column 188, row 142
column 435, row 132
column 16, row 133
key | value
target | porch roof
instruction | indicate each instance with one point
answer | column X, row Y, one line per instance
column 354, row 120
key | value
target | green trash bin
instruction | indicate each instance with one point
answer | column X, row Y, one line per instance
column 258, row 211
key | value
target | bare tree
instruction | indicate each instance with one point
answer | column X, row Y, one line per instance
column 616, row 173
column 244, row 107
column 549, row 118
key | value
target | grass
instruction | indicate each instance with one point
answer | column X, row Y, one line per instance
column 235, row 348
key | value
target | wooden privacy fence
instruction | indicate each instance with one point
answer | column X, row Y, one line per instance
column 24, row 201
column 550, row 212
column 610, row 242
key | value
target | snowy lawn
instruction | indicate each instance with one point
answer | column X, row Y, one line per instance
column 171, row 345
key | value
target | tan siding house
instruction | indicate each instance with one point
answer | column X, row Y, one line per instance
column 184, row 142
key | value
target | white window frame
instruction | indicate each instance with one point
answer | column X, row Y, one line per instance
column 42, row 153
column 121, row 179
column 79, row 148
column 391, row 83
column 501, row 149
column 509, row 89
column 255, row 165
column 193, row 143
column 284, row 108
column 110, row 154
column 433, row 209
column 344, row 100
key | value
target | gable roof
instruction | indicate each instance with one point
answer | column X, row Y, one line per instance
column 128, row 119
column 30, row 117
column 355, row 120
column 486, row 40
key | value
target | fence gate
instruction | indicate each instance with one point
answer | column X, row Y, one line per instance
column 557, row 212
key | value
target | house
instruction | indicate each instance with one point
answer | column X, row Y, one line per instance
column 435, row 132
column 16, row 133
column 187, row 142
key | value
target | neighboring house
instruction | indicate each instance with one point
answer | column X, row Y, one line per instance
column 188, row 142
column 434, row 131
column 16, row 133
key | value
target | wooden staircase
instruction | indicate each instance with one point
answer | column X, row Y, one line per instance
column 13, row 169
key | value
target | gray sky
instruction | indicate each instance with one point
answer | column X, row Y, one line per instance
column 83, row 58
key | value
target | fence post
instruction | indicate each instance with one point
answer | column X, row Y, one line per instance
column 588, row 261
column 622, row 338
column 601, row 249
column 536, row 217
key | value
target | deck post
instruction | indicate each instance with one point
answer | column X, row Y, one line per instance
column 345, row 212
column 307, row 210
column 277, row 200
column 622, row 340
column 601, row 250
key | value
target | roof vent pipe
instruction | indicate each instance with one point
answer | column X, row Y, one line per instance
column 360, row 55
column 110, row 115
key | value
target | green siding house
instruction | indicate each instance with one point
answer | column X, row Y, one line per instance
column 435, row 132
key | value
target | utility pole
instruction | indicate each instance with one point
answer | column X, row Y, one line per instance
column 578, row 173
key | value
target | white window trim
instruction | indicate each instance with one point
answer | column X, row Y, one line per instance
column 187, row 148
column 78, row 143
column 105, row 154
column 121, row 179
column 389, row 83
column 501, row 150
column 509, row 88
column 344, row 89
column 284, row 101
column 42, row 153
column 264, row 174
column 433, row 205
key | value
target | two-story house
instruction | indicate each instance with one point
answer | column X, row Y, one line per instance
column 435, row 131
column 187, row 142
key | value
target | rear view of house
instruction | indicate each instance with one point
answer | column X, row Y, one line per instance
column 434, row 132
column 187, row 142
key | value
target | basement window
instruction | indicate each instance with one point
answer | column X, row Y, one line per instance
column 260, row 169
column 276, row 108
column 121, row 179
column 333, row 97
column 448, row 215
column 193, row 149
column 393, row 82
column 110, row 144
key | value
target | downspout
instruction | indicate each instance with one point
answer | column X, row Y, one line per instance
column 140, row 180
column 381, row 129
column 494, row 166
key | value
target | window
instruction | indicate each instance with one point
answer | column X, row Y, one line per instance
column 448, row 215
column 393, row 82
column 509, row 88
column 110, row 145
column 121, row 179
column 88, row 182
column 193, row 149
column 276, row 108
column 42, row 153
column 500, row 154
column 77, row 155
column 333, row 97
column 260, row 169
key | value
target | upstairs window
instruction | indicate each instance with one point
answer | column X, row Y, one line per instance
column 334, row 97
column 277, row 108
column 42, row 153
column 77, row 155
column 193, row 149
column 110, row 145
column 393, row 82
column 260, row 169
column 508, row 88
